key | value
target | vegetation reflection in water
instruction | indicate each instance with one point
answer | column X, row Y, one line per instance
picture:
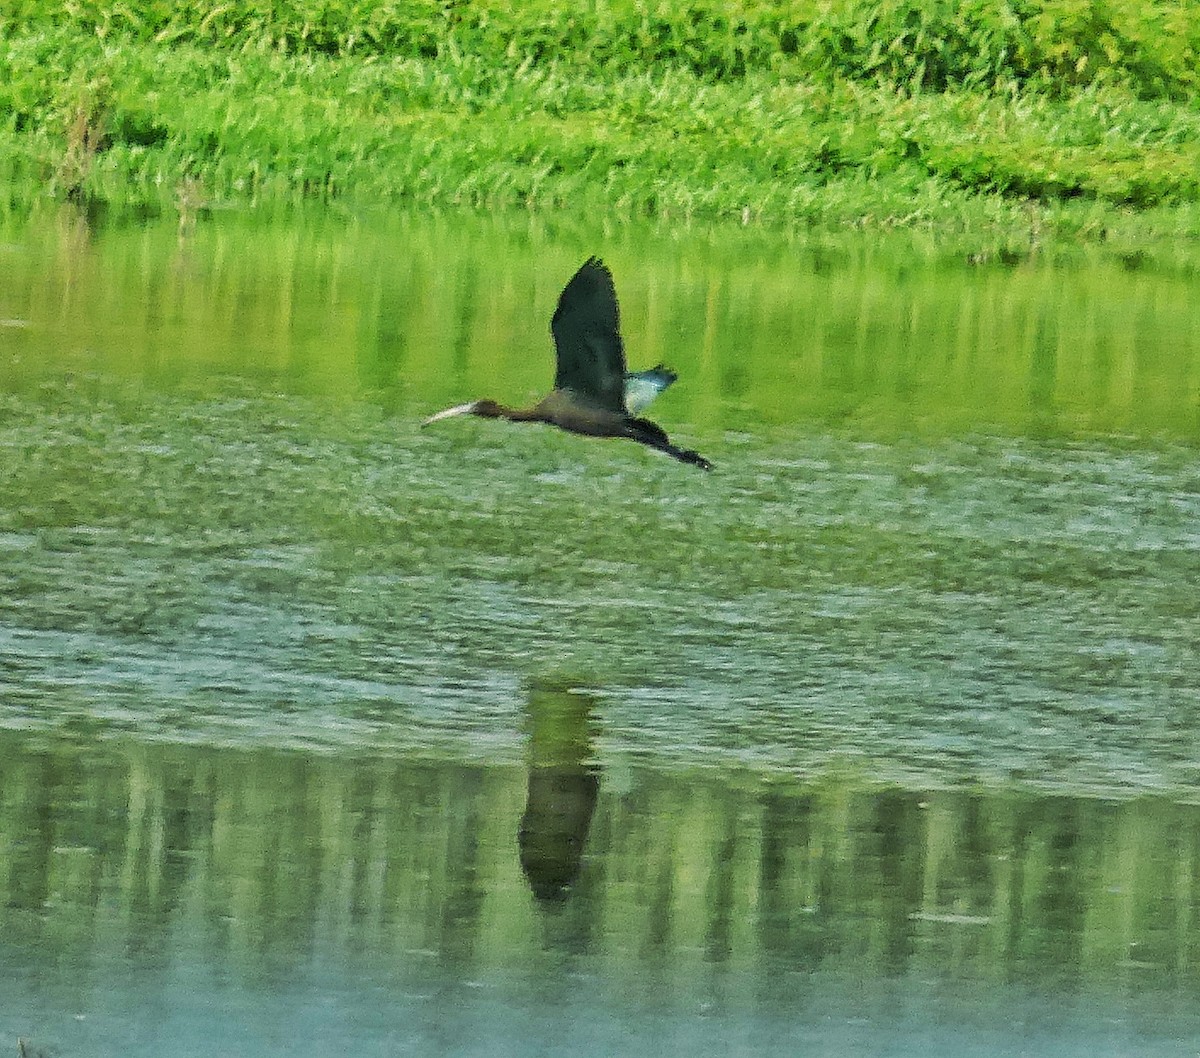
column 925, row 559
column 881, row 335
column 191, row 552
column 814, row 907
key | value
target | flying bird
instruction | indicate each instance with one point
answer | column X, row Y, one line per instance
column 593, row 393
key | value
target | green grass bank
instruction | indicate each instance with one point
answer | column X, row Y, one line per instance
column 1053, row 117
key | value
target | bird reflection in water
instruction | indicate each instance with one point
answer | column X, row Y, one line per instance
column 593, row 394
column 564, row 782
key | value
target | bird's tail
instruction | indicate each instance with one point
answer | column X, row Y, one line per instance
column 641, row 387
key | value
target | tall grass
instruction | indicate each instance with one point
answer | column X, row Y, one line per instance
column 1151, row 45
column 892, row 112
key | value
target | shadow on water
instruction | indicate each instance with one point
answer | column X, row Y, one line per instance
column 564, row 783
column 395, row 895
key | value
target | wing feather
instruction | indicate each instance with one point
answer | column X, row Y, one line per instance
column 587, row 338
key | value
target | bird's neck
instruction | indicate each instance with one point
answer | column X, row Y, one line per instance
column 533, row 414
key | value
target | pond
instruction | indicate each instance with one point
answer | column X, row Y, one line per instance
column 186, row 900
column 325, row 731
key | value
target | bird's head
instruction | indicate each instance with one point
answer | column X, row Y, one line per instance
column 488, row 409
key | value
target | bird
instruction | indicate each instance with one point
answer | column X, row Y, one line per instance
column 593, row 392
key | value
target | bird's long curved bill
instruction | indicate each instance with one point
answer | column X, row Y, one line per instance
column 458, row 409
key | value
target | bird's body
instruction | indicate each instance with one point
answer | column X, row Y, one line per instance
column 593, row 394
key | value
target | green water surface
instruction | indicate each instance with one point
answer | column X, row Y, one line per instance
column 882, row 731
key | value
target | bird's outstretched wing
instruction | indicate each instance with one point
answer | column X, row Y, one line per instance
column 587, row 337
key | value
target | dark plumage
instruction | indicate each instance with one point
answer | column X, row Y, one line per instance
column 593, row 394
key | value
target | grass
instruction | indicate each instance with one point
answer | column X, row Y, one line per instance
column 921, row 44
column 883, row 114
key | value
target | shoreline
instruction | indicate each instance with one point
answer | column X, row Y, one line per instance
column 164, row 123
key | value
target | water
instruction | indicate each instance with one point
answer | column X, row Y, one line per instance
column 171, row 899
column 322, row 731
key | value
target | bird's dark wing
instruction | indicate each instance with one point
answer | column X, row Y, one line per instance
column 587, row 337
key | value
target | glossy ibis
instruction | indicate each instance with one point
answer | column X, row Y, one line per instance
column 593, row 394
